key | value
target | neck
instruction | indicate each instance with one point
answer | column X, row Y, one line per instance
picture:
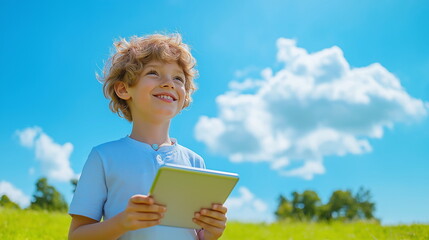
column 150, row 132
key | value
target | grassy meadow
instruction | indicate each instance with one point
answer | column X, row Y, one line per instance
column 37, row 225
column 324, row 231
column 33, row 225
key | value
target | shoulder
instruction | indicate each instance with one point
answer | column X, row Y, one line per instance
column 112, row 146
column 196, row 160
column 109, row 152
column 116, row 143
column 188, row 151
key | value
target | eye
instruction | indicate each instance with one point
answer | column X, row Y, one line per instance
column 152, row 72
column 179, row 79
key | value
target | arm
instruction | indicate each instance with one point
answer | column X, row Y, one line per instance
column 141, row 212
column 86, row 228
column 213, row 222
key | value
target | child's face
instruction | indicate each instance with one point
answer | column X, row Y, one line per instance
column 159, row 92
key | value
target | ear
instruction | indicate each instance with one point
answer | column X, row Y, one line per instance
column 121, row 89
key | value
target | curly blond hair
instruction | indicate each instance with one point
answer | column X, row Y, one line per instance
column 131, row 56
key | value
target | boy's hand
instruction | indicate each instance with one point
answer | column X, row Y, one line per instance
column 141, row 212
column 212, row 220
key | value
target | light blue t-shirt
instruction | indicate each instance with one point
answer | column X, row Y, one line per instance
column 117, row 170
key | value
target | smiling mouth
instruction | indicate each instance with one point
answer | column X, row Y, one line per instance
column 166, row 97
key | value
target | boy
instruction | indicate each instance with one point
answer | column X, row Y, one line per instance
column 149, row 81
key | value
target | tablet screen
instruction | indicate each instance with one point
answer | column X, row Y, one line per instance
column 185, row 190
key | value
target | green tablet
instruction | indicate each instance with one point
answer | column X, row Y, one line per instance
column 185, row 190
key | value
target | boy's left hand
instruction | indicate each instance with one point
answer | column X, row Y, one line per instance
column 212, row 220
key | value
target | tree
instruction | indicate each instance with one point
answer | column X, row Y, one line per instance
column 284, row 209
column 305, row 205
column 7, row 203
column 366, row 208
column 342, row 205
column 324, row 213
column 46, row 197
column 74, row 184
column 311, row 202
column 297, row 207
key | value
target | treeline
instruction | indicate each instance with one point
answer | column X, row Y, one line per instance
column 45, row 197
column 342, row 205
column 305, row 206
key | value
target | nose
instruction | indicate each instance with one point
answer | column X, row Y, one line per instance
column 167, row 83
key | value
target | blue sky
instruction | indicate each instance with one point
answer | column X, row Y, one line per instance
column 293, row 95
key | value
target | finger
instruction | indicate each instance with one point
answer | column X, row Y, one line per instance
column 141, row 199
column 134, row 223
column 219, row 207
column 147, row 208
column 145, row 224
column 147, row 216
column 211, row 221
column 207, row 227
column 213, row 214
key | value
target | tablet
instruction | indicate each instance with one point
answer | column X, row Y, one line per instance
column 185, row 190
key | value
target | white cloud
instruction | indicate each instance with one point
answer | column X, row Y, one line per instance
column 27, row 136
column 245, row 72
column 14, row 194
column 247, row 207
column 315, row 106
column 53, row 157
column 307, row 171
column 247, row 84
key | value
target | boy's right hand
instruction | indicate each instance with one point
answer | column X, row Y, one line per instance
column 141, row 212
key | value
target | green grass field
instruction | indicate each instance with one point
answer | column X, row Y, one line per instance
column 34, row 225
column 322, row 231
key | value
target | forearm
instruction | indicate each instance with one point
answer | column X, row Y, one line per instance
column 106, row 230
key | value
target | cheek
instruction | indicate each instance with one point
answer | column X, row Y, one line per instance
column 182, row 92
column 183, row 98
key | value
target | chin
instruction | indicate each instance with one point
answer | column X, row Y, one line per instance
column 167, row 113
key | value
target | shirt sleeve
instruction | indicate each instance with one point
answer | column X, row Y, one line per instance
column 199, row 162
column 91, row 190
